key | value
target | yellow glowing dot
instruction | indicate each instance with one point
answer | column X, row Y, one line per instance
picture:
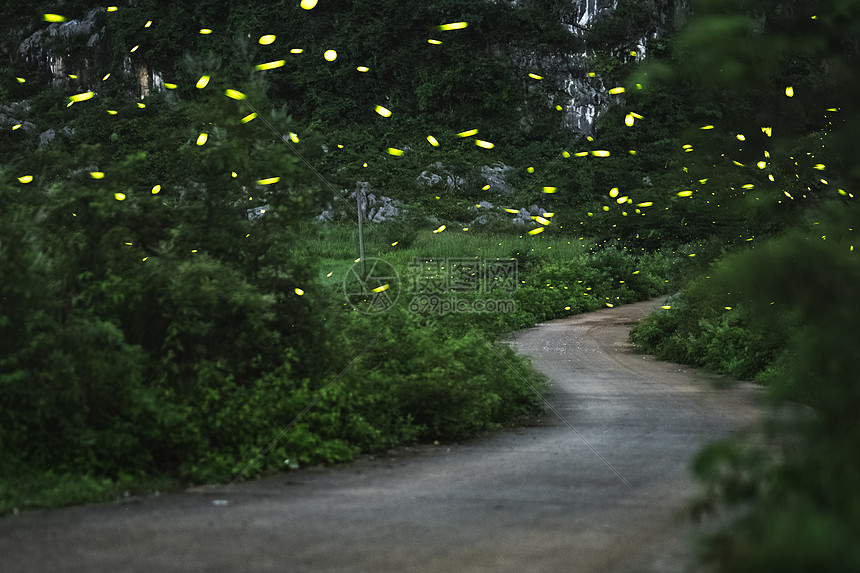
column 297, row 50
column 268, row 181
column 629, row 120
column 384, row 112
column 170, row 86
column 530, row 169
column 748, row 186
column 381, row 288
column 193, row 250
column 741, row 137
column 308, row 4
column 434, row 42
column 609, row 304
column 618, row 90
column 134, row 49
column 205, row 31
column 761, row 164
column 330, row 273
column 738, row 163
column 148, row 24
column 600, row 153
column 394, row 244
column 270, row 65
column 233, row 94
column 106, row 76
column 97, row 174
column 81, row 97
column 770, row 176
column 621, row 200
column 248, row 117
column 294, row 137
column 541, row 220
column 707, row 127
column 453, row 26
column 202, row 138
column 632, row 152
column 364, row 164
column 536, row 231
column 16, row 126
column 645, row 204
column 789, row 91
column 54, row 18
column 484, row 144
column 73, row 76
column 666, row 306
column 330, row 55
column 299, row 291
column 819, row 166
column 565, row 154
column 112, row 8
column 559, row 108
column 687, row 193
column 592, row 75
column 606, row 207
column 202, row 82
column 156, row 189
column 112, row 111
column 467, row 133
column 25, row 178
column 233, row 174
column 485, row 187
column 613, row 192
column 433, row 141
column 141, row 105
column 768, row 131
column 440, row 229
column 20, row 80
column 363, row 69
column 119, row 196
column 728, row 308
column 514, row 211
column 535, row 77
column 395, row 151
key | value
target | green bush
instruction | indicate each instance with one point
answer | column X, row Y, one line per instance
column 428, row 382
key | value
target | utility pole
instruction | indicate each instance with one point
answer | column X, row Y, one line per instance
column 358, row 194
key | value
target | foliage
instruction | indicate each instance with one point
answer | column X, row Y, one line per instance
column 791, row 487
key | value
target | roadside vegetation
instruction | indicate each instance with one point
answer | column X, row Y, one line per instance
column 782, row 311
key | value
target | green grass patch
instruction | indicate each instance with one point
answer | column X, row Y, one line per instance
column 45, row 490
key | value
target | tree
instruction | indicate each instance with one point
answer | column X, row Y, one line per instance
column 792, row 69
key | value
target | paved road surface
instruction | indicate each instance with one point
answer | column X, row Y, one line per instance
column 602, row 490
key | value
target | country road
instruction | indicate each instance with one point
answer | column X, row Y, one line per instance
column 600, row 483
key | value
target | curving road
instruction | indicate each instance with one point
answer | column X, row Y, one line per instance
column 599, row 484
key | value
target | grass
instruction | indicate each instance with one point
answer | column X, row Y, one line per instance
column 337, row 249
column 51, row 490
